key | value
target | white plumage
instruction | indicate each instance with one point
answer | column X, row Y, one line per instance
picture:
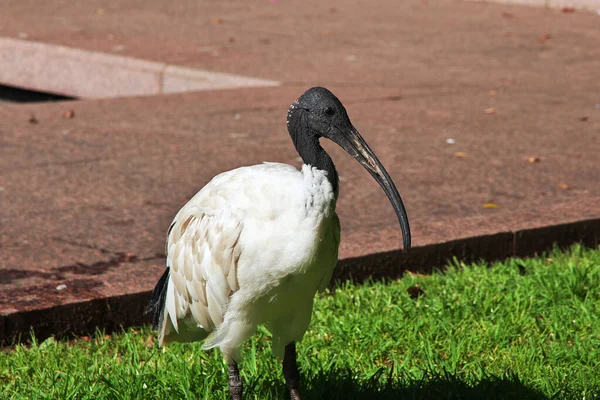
column 253, row 246
column 256, row 244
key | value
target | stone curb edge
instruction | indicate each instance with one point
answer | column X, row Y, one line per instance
column 114, row 313
column 88, row 74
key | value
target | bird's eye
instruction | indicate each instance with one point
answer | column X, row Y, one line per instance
column 330, row 111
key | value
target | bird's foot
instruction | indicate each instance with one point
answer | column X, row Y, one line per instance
column 235, row 382
column 295, row 394
column 291, row 372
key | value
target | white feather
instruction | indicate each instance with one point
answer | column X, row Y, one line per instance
column 253, row 246
column 171, row 306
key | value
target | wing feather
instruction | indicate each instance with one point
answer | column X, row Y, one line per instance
column 201, row 315
column 215, row 309
column 203, row 246
column 203, row 251
column 170, row 304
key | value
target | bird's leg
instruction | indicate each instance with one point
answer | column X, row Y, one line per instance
column 235, row 381
column 291, row 372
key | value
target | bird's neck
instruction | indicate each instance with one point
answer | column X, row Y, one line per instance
column 313, row 154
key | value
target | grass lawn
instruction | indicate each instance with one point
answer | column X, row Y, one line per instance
column 521, row 329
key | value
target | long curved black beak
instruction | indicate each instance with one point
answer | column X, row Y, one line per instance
column 351, row 141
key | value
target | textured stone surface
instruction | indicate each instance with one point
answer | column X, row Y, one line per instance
column 74, row 72
column 592, row 5
column 181, row 79
column 89, row 74
column 86, row 201
column 410, row 43
column 571, row 5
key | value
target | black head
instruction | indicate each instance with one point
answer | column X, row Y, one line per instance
column 319, row 113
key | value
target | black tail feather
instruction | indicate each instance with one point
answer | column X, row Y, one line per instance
column 156, row 305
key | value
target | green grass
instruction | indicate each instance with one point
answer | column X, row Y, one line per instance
column 514, row 330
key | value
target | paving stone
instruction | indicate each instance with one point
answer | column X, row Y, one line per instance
column 86, row 201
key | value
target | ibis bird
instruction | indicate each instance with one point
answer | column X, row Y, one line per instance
column 256, row 243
